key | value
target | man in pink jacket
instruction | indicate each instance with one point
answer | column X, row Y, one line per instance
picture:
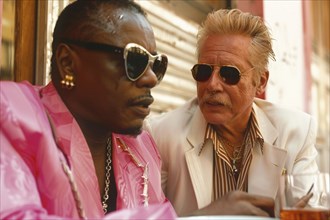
column 74, row 148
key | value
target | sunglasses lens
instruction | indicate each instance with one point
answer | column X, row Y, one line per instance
column 201, row 72
column 230, row 75
column 136, row 62
column 159, row 67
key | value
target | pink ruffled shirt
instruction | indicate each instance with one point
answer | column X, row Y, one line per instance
column 33, row 184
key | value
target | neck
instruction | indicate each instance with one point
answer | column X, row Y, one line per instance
column 95, row 135
column 232, row 137
column 233, row 133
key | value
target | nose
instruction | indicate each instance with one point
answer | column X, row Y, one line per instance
column 148, row 79
column 215, row 81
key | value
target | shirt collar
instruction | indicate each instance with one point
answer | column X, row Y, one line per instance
column 255, row 133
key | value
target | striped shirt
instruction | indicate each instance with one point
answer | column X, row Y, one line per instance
column 223, row 178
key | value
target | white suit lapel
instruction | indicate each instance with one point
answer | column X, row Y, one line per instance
column 200, row 159
column 266, row 167
column 265, row 170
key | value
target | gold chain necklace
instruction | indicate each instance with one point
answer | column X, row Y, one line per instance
column 107, row 177
column 237, row 149
column 237, row 154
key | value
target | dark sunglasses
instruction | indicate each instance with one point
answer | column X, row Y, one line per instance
column 137, row 58
column 229, row 74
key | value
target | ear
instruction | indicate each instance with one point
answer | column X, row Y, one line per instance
column 64, row 60
column 261, row 88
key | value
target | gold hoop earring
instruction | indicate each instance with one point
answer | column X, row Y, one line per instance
column 68, row 82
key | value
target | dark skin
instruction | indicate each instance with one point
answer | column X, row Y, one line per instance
column 104, row 100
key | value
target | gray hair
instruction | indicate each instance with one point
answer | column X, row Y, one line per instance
column 234, row 21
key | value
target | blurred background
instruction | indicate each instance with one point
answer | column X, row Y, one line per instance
column 299, row 78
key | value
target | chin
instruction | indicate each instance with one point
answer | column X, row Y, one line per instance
column 215, row 119
column 133, row 131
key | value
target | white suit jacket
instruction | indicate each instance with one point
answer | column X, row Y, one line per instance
column 289, row 138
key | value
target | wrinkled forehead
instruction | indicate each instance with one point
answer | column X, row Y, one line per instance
column 122, row 26
column 110, row 19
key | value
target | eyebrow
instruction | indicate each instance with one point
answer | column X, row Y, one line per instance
column 94, row 46
column 98, row 46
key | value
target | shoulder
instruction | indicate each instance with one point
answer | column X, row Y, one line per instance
column 174, row 119
column 23, row 119
column 21, row 107
column 280, row 112
column 13, row 93
column 285, row 120
column 11, row 86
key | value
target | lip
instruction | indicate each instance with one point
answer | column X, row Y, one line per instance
column 141, row 111
column 141, row 106
column 216, row 108
column 214, row 103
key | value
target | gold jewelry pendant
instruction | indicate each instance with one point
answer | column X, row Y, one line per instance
column 235, row 170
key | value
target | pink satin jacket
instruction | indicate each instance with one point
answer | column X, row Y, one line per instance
column 33, row 183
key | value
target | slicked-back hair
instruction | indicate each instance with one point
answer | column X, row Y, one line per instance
column 82, row 18
column 234, row 21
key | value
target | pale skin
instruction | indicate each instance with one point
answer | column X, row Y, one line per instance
column 228, row 108
column 239, row 203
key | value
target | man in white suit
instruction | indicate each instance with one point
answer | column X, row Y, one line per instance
column 224, row 151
